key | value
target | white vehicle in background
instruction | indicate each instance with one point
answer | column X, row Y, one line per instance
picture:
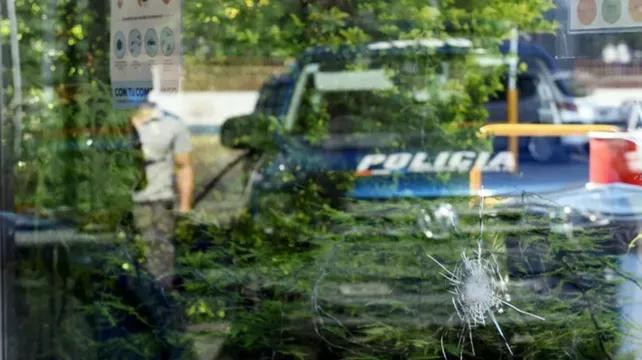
column 551, row 95
column 634, row 111
column 580, row 104
column 577, row 103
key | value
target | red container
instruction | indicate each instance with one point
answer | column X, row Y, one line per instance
column 615, row 159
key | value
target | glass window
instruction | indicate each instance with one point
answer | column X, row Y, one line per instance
column 290, row 179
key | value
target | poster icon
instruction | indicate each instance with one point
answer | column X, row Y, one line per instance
column 135, row 42
column 151, row 42
column 635, row 9
column 120, row 3
column 120, row 46
column 611, row 11
column 587, row 11
column 604, row 16
column 167, row 41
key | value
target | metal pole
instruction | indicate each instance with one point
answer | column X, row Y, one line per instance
column 2, row 120
column 16, row 103
column 512, row 94
column 6, row 204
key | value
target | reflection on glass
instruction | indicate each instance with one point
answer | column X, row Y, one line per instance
column 321, row 187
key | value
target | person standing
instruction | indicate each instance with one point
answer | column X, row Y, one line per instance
column 166, row 148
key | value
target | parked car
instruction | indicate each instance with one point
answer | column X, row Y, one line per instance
column 581, row 104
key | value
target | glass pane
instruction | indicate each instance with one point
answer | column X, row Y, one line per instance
column 285, row 179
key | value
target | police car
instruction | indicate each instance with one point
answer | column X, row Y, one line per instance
column 371, row 138
column 553, row 216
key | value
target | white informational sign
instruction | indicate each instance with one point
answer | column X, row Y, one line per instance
column 145, row 35
column 605, row 15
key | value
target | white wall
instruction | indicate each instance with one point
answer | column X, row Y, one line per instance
column 208, row 109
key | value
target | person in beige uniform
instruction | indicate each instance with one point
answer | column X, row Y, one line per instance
column 166, row 147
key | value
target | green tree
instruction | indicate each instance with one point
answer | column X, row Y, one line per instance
column 282, row 29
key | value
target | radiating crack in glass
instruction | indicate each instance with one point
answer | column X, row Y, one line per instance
column 479, row 291
column 318, row 309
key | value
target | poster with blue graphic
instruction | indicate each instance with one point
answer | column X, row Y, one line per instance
column 145, row 49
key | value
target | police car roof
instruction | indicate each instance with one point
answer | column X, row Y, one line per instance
column 346, row 53
column 527, row 51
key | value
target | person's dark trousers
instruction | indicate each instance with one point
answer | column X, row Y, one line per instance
column 155, row 225
column 159, row 315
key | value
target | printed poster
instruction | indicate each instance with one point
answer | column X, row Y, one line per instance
column 145, row 35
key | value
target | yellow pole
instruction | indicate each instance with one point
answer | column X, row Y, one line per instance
column 512, row 97
column 545, row 130
column 513, row 118
column 475, row 180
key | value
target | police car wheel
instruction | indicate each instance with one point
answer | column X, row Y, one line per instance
column 540, row 149
column 546, row 149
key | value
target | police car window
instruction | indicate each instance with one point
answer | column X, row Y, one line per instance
column 272, row 99
column 570, row 86
column 423, row 86
column 264, row 96
column 347, row 112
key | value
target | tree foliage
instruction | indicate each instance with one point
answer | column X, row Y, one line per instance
column 283, row 29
